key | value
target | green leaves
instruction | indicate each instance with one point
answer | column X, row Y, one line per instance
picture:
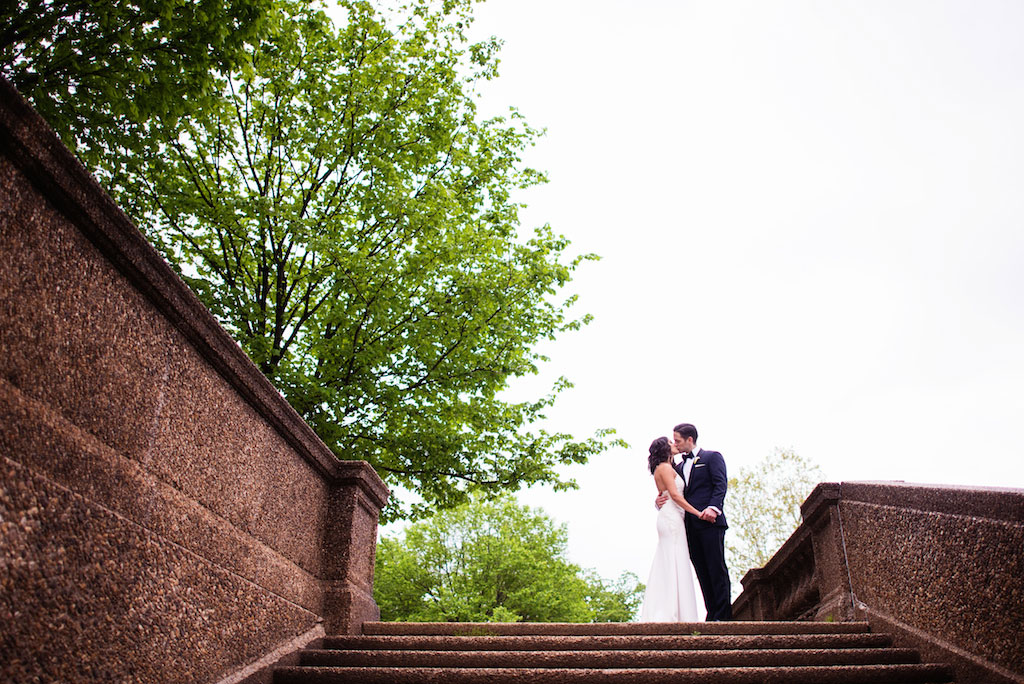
column 493, row 561
column 101, row 72
column 331, row 195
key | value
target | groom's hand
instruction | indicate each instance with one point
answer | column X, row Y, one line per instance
column 709, row 515
column 660, row 500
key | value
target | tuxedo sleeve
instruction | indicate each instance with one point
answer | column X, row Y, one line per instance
column 719, row 482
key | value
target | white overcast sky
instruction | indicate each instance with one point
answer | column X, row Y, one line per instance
column 810, row 216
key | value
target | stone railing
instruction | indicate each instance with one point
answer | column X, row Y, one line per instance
column 942, row 568
column 165, row 516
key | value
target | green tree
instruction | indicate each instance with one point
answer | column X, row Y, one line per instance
column 332, row 196
column 764, row 505
column 493, row 561
column 99, row 72
column 615, row 600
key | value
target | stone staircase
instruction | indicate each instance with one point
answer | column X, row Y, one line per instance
column 612, row 653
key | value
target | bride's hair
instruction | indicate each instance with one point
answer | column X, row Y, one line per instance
column 659, row 453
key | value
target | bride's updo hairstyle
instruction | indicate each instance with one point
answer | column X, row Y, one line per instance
column 659, row 453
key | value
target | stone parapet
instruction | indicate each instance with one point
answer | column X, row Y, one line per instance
column 941, row 567
column 165, row 515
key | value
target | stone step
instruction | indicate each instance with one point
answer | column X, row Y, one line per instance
column 812, row 674
column 607, row 643
column 608, row 628
column 611, row 653
column 608, row 659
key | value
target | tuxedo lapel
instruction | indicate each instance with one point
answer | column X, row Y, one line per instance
column 683, row 474
column 693, row 466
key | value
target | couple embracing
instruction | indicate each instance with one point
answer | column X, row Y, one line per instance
column 691, row 528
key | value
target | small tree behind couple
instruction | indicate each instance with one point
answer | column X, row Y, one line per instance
column 691, row 529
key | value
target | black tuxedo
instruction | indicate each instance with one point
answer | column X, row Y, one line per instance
column 705, row 487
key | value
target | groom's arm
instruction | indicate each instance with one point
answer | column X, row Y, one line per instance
column 719, row 483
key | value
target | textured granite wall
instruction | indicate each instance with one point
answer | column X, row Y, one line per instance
column 165, row 516
column 942, row 567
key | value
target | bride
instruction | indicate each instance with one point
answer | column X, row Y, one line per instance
column 670, row 596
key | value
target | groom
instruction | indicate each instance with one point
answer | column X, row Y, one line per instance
column 703, row 473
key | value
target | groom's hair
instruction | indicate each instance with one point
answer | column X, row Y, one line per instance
column 686, row 430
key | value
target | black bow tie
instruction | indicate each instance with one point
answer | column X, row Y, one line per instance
column 686, row 456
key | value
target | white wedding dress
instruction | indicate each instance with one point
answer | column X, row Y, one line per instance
column 670, row 595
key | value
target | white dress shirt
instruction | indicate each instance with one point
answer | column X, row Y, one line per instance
column 688, row 466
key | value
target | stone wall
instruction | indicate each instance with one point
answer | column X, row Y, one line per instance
column 940, row 567
column 165, row 516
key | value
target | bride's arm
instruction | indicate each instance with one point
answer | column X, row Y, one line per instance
column 665, row 478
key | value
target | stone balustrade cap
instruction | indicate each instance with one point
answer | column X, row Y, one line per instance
column 998, row 503
column 362, row 474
